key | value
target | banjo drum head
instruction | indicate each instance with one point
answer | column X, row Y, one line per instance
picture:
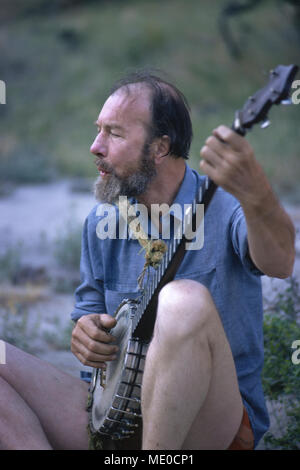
column 103, row 396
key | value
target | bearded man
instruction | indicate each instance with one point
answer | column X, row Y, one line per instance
column 201, row 384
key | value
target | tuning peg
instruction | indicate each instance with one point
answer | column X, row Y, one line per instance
column 286, row 101
column 265, row 124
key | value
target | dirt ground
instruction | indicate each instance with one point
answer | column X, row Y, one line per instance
column 35, row 314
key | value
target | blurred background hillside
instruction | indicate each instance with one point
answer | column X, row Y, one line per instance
column 59, row 59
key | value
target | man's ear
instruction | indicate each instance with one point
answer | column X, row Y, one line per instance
column 161, row 148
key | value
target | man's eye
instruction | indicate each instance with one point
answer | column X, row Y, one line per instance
column 115, row 135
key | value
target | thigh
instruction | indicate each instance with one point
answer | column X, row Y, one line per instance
column 220, row 416
column 57, row 399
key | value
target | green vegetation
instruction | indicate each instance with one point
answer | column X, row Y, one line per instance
column 59, row 68
column 67, row 246
column 10, row 263
column 14, row 328
column 281, row 377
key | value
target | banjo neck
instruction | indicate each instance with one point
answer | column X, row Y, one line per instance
column 144, row 319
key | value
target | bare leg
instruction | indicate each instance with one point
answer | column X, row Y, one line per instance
column 41, row 407
column 20, row 428
column 190, row 396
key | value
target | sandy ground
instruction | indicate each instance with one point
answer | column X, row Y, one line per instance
column 32, row 217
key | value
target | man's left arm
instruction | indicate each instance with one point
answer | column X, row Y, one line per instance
column 229, row 160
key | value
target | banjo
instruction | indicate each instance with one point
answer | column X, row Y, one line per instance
column 115, row 407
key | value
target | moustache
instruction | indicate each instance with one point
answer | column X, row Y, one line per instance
column 102, row 165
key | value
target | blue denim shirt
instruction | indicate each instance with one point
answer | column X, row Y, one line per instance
column 110, row 268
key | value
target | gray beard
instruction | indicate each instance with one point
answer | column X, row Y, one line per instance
column 110, row 188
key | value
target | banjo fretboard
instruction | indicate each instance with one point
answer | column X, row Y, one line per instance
column 143, row 322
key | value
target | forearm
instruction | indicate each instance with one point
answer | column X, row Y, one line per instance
column 229, row 160
column 271, row 236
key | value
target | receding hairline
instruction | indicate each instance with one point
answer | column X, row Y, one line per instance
column 154, row 82
column 130, row 89
column 169, row 108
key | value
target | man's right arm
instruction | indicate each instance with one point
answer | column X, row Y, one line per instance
column 91, row 340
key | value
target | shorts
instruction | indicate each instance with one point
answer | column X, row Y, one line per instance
column 244, row 439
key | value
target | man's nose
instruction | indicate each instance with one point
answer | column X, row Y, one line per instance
column 98, row 147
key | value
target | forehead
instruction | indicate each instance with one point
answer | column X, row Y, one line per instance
column 128, row 105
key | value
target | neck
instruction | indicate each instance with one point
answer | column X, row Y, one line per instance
column 165, row 185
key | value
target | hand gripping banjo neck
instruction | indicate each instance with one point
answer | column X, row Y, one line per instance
column 254, row 111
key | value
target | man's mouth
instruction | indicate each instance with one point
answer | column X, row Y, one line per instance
column 103, row 170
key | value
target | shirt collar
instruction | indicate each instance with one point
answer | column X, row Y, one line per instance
column 187, row 190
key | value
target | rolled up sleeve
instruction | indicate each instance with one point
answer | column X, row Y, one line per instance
column 89, row 296
column 240, row 241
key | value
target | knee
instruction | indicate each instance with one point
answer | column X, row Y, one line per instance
column 185, row 308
